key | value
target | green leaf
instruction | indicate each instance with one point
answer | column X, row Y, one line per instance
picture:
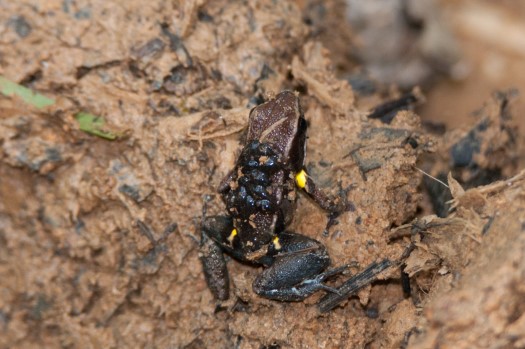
column 94, row 125
column 9, row 88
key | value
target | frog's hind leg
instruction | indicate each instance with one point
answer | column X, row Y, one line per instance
column 297, row 270
column 214, row 230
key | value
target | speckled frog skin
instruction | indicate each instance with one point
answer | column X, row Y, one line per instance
column 260, row 194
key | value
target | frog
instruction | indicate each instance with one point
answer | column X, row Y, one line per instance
column 260, row 195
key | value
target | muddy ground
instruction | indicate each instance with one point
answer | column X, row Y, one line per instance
column 99, row 238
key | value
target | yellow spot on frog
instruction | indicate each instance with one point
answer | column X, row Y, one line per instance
column 300, row 179
column 232, row 235
column 276, row 243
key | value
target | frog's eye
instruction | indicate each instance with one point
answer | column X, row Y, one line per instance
column 300, row 179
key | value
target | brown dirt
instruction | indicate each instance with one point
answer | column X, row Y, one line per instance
column 176, row 81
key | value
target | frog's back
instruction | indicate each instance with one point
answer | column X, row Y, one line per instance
column 261, row 192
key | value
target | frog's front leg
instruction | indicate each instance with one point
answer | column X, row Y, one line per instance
column 214, row 231
column 335, row 207
column 297, row 269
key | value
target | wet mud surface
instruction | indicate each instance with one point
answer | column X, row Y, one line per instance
column 99, row 238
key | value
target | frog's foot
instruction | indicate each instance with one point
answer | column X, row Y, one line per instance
column 354, row 284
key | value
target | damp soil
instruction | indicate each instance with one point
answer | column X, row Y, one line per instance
column 99, row 238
